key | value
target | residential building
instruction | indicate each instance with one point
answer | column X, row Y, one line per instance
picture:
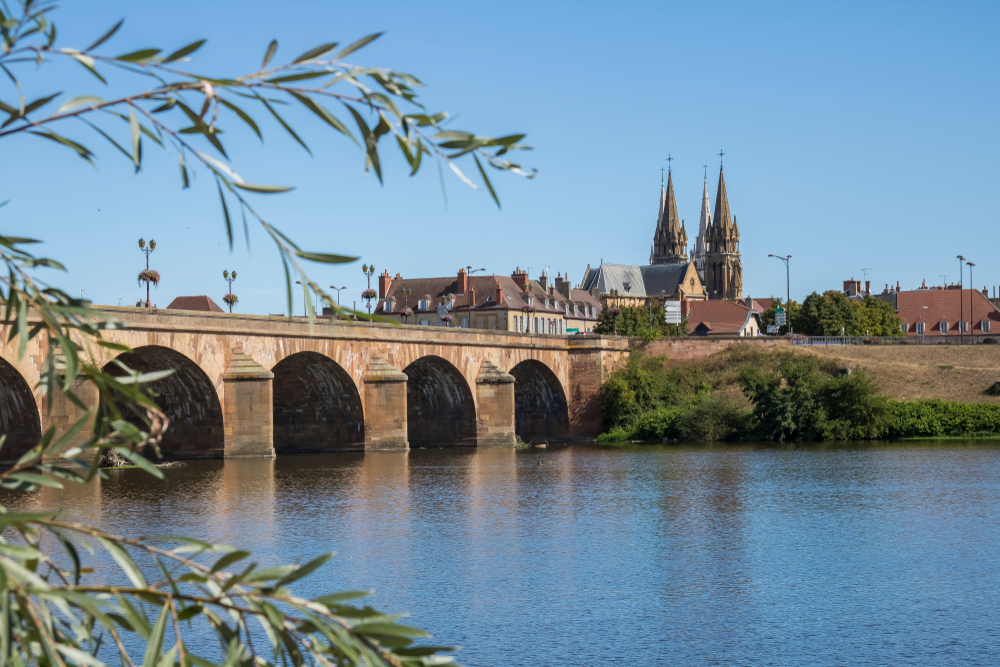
column 721, row 319
column 938, row 312
column 491, row 302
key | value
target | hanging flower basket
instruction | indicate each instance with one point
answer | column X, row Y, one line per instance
column 369, row 294
column 527, row 309
column 447, row 317
column 231, row 299
column 615, row 310
column 406, row 312
column 149, row 276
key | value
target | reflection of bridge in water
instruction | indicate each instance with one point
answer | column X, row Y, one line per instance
column 249, row 386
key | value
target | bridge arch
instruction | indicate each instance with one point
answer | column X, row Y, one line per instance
column 540, row 407
column 187, row 396
column 317, row 406
column 19, row 417
column 440, row 409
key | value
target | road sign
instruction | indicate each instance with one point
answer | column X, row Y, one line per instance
column 771, row 329
column 672, row 311
column 779, row 317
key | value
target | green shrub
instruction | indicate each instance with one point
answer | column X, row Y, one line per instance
column 717, row 417
column 933, row 418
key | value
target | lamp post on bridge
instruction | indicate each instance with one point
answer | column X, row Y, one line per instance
column 468, row 289
column 230, row 298
column 148, row 275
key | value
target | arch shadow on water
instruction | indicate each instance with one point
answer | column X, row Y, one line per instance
column 440, row 410
column 540, row 408
column 317, row 407
column 19, row 418
column 188, row 398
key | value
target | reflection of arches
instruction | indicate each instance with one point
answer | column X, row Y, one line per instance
column 19, row 419
column 316, row 405
column 440, row 410
column 188, row 398
column 540, row 407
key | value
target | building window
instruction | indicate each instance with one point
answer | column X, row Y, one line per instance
column 423, row 304
column 963, row 327
column 944, row 327
column 489, row 298
column 388, row 306
column 985, row 326
column 555, row 304
column 465, row 322
column 423, row 323
column 906, row 327
column 576, row 310
column 531, row 301
column 920, row 328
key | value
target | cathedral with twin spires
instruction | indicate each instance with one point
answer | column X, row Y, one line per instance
column 716, row 251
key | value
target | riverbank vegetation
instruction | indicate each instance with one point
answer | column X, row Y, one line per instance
column 638, row 322
column 771, row 394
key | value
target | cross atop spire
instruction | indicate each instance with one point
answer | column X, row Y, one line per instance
column 706, row 173
column 661, row 176
column 721, row 154
column 669, row 160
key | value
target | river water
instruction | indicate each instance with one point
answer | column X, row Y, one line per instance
column 710, row 555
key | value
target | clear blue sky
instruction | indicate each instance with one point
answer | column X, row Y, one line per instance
column 857, row 135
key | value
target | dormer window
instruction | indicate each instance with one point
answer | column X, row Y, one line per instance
column 985, row 326
column 555, row 304
column 423, row 304
column 920, row 328
column 489, row 298
column 546, row 303
column 531, row 301
column 944, row 327
column 388, row 305
column 576, row 310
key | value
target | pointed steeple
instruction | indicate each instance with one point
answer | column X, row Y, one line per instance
column 722, row 218
column 669, row 218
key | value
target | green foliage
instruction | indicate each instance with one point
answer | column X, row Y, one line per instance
column 55, row 611
column 801, row 403
column 716, row 417
column 831, row 313
column 933, row 418
column 638, row 322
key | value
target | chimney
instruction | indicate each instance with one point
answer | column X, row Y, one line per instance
column 847, row 286
column 868, row 287
column 498, row 298
column 544, row 281
column 472, row 299
column 897, row 286
column 986, row 292
column 384, row 283
column 520, row 277
column 563, row 285
column 463, row 282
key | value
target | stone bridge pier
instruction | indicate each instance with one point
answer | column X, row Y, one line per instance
column 251, row 386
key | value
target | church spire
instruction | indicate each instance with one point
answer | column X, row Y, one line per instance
column 722, row 218
column 669, row 218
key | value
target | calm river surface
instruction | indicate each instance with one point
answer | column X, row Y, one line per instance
column 826, row 555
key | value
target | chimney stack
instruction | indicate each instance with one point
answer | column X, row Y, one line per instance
column 520, row 277
column 897, row 286
column 498, row 298
column 544, row 281
column 868, row 287
column 463, row 282
column 563, row 286
column 384, row 283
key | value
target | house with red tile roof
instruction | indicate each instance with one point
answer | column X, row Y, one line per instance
column 940, row 312
column 721, row 319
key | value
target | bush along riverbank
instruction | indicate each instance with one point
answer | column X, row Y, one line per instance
column 745, row 393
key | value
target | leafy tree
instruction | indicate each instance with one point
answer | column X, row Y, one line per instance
column 831, row 313
column 53, row 614
column 638, row 322
column 801, row 403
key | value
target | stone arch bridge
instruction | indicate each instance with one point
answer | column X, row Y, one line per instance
column 248, row 386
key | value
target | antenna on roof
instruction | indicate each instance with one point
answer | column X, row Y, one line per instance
column 944, row 279
column 865, row 272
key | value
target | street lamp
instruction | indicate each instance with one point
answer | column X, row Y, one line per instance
column 406, row 292
column 368, row 294
column 961, row 303
column 788, row 289
column 970, row 265
column 147, row 275
column 468, row 289
column 338, row 293
column 304, row 312
column 230, row 298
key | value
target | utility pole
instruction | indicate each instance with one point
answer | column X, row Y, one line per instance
column 971, row 288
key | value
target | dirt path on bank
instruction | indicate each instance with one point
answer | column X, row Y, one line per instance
column 947, row 372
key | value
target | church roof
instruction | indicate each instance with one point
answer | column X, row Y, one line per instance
column 669, row 220
column 639, row 281
column 722, row 218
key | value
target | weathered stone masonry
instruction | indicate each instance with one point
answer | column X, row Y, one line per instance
column 248, row 386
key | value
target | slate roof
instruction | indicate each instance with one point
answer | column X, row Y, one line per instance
column 202, row 303
column 944, row 306
column 642, row 281
column 718, row 317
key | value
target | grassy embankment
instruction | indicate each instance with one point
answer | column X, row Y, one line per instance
column 746, row 392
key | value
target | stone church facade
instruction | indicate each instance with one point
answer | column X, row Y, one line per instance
column 711, row 270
